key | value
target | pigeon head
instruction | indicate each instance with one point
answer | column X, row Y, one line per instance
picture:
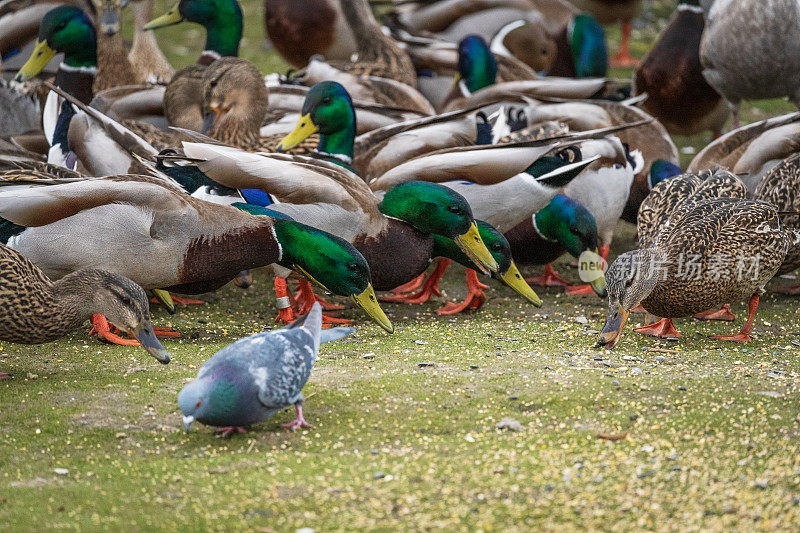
column 210, row 401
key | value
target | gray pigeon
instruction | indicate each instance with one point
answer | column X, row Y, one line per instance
column 255, row 377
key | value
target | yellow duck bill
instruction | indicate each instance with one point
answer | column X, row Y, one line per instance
column 170, row 18
column 514, row 279
column 304, row 129
column 369, row 303
column 472, row 245
column 41, row 56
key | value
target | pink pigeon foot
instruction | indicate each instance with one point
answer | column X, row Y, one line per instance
column 298, row 422
column 228, row 431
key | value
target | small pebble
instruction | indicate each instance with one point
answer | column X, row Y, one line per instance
column 61, row 471
column 510, row 424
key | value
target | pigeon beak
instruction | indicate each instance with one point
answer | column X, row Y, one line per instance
column 187, row 422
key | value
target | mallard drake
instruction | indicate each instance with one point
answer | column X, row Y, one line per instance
column 611, row 11
column 722, row 237
column 650, row 138
column 155, row 234
column 67, row 30
column 477, row 66
column 752, row 150
column 672, row 77
column 36, row 310
column 340, row 202
column 447, row 251
column 750, row 50
column 779, row 188
column 100, row 57
column 222, row 20
column 563, row 225
column 315, row 27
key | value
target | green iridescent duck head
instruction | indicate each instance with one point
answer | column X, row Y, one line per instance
column 64, row 30
column 439, row 210
column 327, row 110
column 498, row 246
column 568, row 223
column 330, row 262
column 222, row 20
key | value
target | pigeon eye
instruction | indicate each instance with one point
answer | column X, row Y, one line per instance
column 198, row 404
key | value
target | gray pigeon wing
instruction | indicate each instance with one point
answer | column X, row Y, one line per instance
column 286, row 374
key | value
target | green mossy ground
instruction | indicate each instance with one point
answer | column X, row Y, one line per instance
column 703, row 435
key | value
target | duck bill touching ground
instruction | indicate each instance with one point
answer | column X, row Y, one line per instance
column 472, row 245
column 612, row 331
column 513, row 278
column 170, row 18
column 366, row 300
column 146, row 336
column 40, row 57
column 369, row 303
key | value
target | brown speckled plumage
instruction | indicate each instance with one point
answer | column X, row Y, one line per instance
column 780, row 188
column 702, row 219
column 686, row 189
column 376, row 54
column 35, row 310
column 719, row 230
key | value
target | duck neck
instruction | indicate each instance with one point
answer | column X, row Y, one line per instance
column 74, row 293
column 77, row 80
column 339, row 143
column 224, row 32
column 365, row 28
column 113, row 66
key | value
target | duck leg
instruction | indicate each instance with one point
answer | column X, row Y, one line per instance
column 107, row 332
column 298, row 422
column 723, row 313
column 623, row 57
column 550, row 278
column 178, row 300
column 102, row 329
column 228, row 431
column 411, row 286
column 744, row 334
column 662, row 329
column 429, row 288
column 474, row 300
column 305, row 299
column 284, row 300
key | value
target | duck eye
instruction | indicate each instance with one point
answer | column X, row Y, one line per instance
column 544, row 51
column 454, row 209
column 326, row 100
column 125, row 300
column 353, row 267
column 496, row 246
column 628, row 283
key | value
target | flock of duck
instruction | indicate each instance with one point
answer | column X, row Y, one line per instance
column 485, row 133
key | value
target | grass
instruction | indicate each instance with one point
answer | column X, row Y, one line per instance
column 700, row 435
